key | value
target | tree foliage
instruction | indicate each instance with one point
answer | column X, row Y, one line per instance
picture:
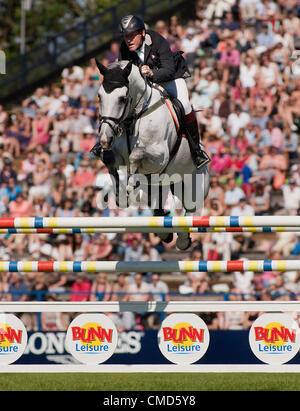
column 45, row 18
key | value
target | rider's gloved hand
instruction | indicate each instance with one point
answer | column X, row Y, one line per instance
column 146, row 71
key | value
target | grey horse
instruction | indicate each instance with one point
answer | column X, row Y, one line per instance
column 138, row 130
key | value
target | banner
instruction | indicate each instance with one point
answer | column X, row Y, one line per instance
column 141, row 347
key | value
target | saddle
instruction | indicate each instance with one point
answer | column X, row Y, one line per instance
column 179, row 121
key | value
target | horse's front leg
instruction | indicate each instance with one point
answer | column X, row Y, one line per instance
column 136, row 157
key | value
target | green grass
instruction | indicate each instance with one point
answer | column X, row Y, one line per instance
column 151, row 382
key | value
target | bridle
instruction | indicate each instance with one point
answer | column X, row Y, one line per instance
column 115, row 122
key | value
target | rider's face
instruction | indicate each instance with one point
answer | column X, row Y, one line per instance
column 134, row 40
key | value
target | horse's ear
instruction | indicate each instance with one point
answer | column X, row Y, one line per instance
column 101, row 67
column 127, row 69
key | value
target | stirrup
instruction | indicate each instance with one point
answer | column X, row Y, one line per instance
column 202, row 163
column 201, row 160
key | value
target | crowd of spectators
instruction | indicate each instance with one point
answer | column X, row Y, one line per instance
column 246, row 91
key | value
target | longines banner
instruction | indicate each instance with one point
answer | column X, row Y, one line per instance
column 141, row 347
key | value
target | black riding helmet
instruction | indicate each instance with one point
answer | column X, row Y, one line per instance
column 131, row 23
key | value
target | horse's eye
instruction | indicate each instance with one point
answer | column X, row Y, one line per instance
column 122, row 100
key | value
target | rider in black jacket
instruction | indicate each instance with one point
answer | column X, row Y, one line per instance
column 152, row 53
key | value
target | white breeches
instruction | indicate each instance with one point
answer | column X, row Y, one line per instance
column 178, row 89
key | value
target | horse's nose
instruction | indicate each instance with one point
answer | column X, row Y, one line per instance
column 105, row 141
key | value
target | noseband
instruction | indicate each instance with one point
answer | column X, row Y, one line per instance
column 115, row 127
column 114, row 122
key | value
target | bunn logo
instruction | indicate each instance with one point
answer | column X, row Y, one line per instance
column 2, row 62
column 91, row 334
column 273, row 335
column 179, row 335
column 10, row 335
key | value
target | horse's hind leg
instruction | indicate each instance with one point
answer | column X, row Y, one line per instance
column 195, row 190
column 159, row 211
column 184, row 241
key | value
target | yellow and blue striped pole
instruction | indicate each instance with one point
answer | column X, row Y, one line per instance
column 150, row 266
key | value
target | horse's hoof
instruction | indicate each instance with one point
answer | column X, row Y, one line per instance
column 167, row 239
column 183, row 244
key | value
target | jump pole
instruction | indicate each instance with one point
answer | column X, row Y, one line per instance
column 150, row 266
column 139, row 223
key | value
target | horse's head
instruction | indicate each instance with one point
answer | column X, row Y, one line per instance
column 114, row 100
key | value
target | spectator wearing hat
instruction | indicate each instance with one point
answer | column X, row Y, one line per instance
column 190, row 45
column 88, row 140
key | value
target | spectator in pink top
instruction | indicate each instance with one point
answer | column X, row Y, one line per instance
column 80, row 290
column 20, row 207
column 221, row 161
column 88, row 141
column 230, row 59
column 83, row 176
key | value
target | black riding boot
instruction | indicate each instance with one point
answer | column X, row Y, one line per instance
column 199, row 156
